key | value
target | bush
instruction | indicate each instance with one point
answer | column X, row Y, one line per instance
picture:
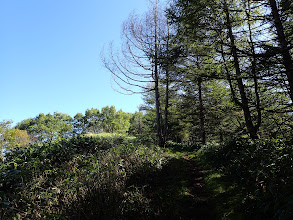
column 187, row 147
column 263, row 168
column 80, row 178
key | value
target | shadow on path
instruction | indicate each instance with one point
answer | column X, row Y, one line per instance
column 178, row 191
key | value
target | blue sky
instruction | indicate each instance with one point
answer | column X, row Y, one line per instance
column 50, row 56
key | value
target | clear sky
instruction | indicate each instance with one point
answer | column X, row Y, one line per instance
column 50, row 56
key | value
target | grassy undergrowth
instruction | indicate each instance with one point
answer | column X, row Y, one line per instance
column 177, row 190
column 101, row 177
column 250, row 179
column 80, row 178
column 112, row 176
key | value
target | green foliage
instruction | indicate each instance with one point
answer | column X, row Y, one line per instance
column 47, row 127
column 57, row 126
column 12, row 137
column 107, row 120
column 182, row 147
column 262, row 170
column 227, row 42
column 79, row 178
column 136, row 124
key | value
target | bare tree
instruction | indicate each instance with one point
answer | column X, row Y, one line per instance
column 137, row 67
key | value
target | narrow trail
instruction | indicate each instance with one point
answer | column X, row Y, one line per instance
column 178, row 191
column 201, row 207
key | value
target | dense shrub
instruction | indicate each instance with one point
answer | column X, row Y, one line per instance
column 79, row 178
column 182, row 146
column 264, row 171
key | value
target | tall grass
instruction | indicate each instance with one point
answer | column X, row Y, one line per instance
column 256, row 177
column 80, row 178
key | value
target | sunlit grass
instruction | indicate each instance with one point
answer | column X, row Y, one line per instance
column 226, row 195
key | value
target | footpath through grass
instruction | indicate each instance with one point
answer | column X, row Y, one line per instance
column 102, row 177
column 177, row 191
column 250, row 179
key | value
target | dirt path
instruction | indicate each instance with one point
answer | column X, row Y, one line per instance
column 201, row 207
column 178, row 191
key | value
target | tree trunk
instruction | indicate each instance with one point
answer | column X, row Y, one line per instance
column 287, row 60
column 158, row 108
column 156, row 79
column 244, row 101
column 201, row 112
column 221, row 137
column 253, row 70
column 165, row 134
column 139, row 124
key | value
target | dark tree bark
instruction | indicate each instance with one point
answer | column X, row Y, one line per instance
column 165, row 133
column 156, row 79
column 158, row 108
column 253, row 69
column 201, row 112
column 244, row 101
column 167, row 73
column 287, row 60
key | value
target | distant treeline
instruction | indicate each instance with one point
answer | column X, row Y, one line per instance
column 50, row 127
